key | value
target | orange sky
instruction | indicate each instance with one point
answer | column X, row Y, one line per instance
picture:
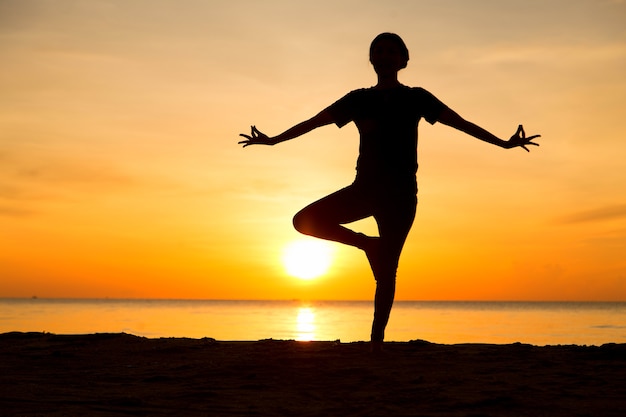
column 120, row 175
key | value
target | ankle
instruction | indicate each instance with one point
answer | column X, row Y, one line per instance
column 362, row 241
column 367, row 243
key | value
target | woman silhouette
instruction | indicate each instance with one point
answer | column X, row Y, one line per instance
column 385, row 186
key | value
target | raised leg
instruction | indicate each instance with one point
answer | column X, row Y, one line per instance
column 325, row 218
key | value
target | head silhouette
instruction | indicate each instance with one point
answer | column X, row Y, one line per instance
column 387, row 45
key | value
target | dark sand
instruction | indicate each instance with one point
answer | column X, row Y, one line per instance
column 123, row 375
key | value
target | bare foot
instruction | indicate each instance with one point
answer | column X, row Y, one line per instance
column 376, row 346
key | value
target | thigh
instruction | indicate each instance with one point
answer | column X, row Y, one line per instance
column 394, row 218
column 344, row 206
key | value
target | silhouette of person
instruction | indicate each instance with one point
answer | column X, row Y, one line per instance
column 385, row 187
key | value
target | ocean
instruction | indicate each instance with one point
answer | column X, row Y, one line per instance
column 447, row 322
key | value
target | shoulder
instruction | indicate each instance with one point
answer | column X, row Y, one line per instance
column 360, row 92
column 412, row 93
column 419, row 91
column 424, row 95
column 355, row 96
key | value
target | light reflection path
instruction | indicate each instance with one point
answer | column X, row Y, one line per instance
column 538, row 323
column 305, row 324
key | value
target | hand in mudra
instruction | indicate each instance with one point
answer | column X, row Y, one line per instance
column 255, row 137
column 520, row 139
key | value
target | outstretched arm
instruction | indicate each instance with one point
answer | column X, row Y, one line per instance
column 451, row 118
column 257, row 138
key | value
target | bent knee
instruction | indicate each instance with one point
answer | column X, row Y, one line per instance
column 302, row 223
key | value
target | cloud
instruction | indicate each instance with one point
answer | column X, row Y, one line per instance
column 7, row 211
column 609, row 212
column 28, row 182
column 71, row 173
column 54, row 173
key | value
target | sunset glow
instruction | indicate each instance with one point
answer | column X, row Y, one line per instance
column 121, row 177
column 307, row 259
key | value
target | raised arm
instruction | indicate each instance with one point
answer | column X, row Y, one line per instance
column 451, row 118
column 257, row 138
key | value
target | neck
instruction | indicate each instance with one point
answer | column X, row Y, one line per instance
column 389, row 81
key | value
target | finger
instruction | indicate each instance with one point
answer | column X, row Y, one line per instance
column 533, row 137
column 520, row 131
column 525, row 148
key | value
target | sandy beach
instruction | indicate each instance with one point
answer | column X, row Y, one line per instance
column 121, row 374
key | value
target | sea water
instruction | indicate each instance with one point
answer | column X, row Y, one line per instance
column 538, row 323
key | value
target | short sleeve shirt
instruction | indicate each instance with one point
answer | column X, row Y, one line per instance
column 387, row 121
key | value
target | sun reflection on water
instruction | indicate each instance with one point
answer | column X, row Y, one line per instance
column 305, row 324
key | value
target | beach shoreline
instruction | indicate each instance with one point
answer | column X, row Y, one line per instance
column 116, row 373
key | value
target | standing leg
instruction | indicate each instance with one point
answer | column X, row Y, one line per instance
column 394, row 220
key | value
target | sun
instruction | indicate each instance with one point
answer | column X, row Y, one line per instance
column 307, row 259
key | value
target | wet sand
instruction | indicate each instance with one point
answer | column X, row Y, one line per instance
column 121, row 374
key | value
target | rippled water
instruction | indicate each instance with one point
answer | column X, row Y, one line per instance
column 539, row 323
